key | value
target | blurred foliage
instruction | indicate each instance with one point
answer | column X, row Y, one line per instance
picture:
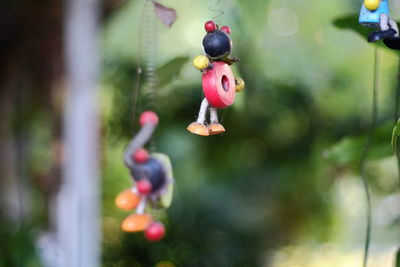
column 167, row 72
column 17, row 247
column 395, row 135
column 282, row 183
column 348, row 150
column 350, row 22
column 266, row 182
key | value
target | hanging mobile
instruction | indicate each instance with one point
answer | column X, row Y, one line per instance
column 375, row 13
column 219, row 84
column 153, row 179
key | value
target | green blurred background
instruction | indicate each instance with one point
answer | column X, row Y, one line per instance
column 281, row 187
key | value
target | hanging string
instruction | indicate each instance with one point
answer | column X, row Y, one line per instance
column 139, row 70
column 214, row 8
column 151, row 42
column 151, row 48
column 148, row 39
column 397, row 99
column 365, row 153
column 148, row 24
column 396, row 113
column 219, row 12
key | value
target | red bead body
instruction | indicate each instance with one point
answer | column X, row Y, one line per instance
column 219, row 85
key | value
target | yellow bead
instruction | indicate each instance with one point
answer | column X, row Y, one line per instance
column 372, row 4
column 200, row 62
column 239, row 84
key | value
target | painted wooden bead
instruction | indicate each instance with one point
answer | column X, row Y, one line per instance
column 152, row 171
column 226, row 29
column 141, row 156
column 148, row 117
column 219, row 85
column 372, row 4
column 201, row 62
column 155, row 232
column 210, row 26
column 144, row 187
column 127, row 200
column 136, row 222
column 239, row 84
column 217, row 44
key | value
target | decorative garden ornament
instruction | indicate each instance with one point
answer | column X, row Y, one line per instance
column 153, row 188
column 219, row 84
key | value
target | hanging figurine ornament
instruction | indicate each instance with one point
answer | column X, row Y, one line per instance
column 219, row 84
column 375, row 13
column 152, row 174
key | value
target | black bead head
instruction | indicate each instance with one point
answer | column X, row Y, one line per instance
column 153, row 171
column 217, row 44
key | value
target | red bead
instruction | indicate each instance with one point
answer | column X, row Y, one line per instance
column 210, row 26
column 155, row 232
column 148, row 117
column 141, row 155
column 226, row 29
column 144, row 187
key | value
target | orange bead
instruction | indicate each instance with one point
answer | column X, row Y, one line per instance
column 136, row 222
column 127, row 200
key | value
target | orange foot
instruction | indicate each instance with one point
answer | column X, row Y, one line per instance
column 198, row 128
column 127, row 200
column 215, row 128
column 136, row 222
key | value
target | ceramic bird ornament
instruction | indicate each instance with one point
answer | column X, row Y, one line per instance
column 219, row 84
column 375, row 13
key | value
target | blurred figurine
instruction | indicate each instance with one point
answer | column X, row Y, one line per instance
column 153, row 179
column 219, row 84
column 375, row 13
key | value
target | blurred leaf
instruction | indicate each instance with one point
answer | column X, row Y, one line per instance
column 345, row 151
column 395, row 134
column 348, row 149
column 350, row 22
column 398, row 258
column 167, row 72
column 165, row 14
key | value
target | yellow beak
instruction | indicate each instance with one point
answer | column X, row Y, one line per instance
column 372, row 4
